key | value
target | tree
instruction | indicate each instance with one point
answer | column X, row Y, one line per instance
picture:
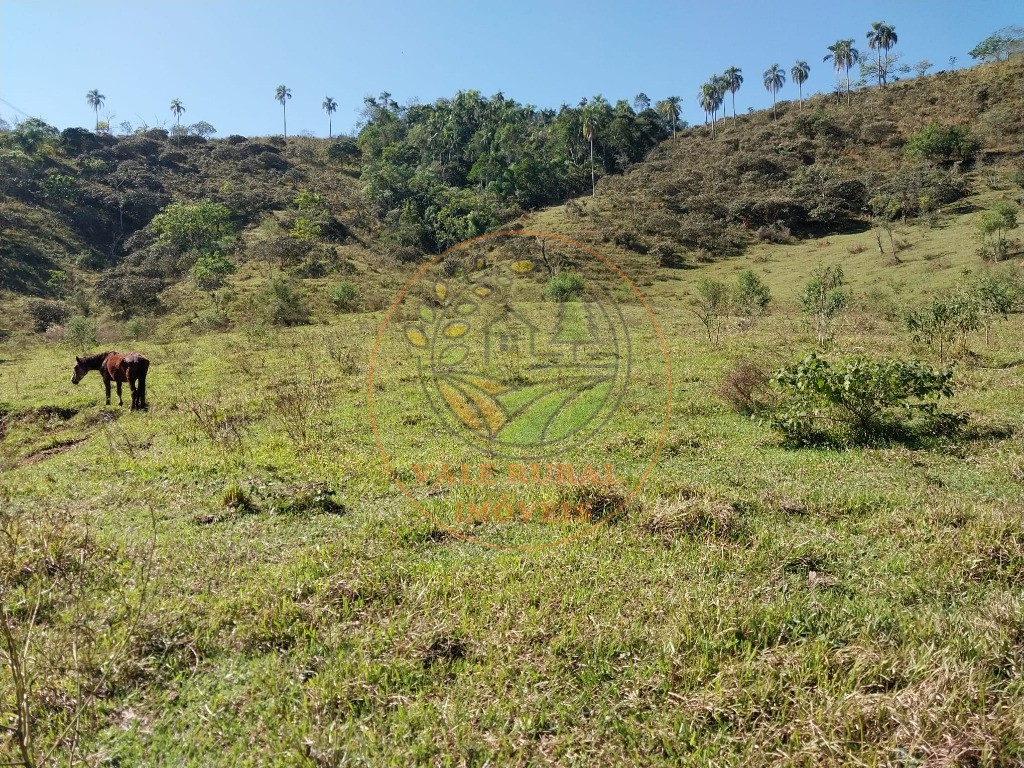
column 282, row 95
column 706, row 99
column 710, row 306
column 330, row 107
column 882, row 37
column 774, row 78
column 999, row 45
column 177, row 109
column 719, row 88
column 823, row 298
column 641, row 102
column 95, row 100
column 589, row 129
column 733, row 79
column 993, row 226
column 843, row 56
column 669, row 109
column 923, row 66
column 800, row 72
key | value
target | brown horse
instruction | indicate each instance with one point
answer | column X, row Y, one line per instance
column 113, row 366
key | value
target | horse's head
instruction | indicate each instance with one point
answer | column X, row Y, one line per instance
column 79, row 372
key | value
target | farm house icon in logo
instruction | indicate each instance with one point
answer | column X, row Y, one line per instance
column 514, row 385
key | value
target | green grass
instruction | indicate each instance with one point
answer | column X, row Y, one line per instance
column 753, row 604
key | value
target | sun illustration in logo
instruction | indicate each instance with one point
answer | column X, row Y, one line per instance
column 513, row 377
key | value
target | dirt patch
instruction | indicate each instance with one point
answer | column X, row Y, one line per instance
column 54, row 450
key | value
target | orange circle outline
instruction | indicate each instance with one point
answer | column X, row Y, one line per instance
column 387, row 321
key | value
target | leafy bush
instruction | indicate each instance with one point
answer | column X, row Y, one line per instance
column 45, row 313
column 823, row 298
column 211, row 269
column 345, row 296
column 564, row 286
column 750, row 298
column 943, row 143
column 80, row 334
column 944, row 320
column 864, row 399
column 286, row 303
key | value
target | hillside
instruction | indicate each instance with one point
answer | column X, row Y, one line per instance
column 77, row 210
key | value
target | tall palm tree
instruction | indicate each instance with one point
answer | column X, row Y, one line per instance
column 720, row 86
column 589, row 129
column 708, row 99
column 800, row 72
column 330, row 107
column 95, row 100
column 669, row 109
column 177, row 108
column 843, row 56
column 282, row 95
column 734, row 79
column 774, row 79
column 882, row 37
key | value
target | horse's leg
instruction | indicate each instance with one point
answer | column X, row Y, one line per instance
column 135, row 394
column 106, row 383
column 119, row 400
column 142, row 391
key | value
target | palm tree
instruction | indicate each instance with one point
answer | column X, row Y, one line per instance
column 734, row 79
column 709, row 101
column 95, row 100
column 720, row 86
column 282, row 95
column 177, row 109
column 330, row 107
column 589, row 129
column 669, row 109
column 774, row 79
column 800, row 72
column 843, row 56
column 882, row 37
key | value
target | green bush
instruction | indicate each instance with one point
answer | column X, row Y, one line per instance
column 286, row 303
column 80, row 334
column 859, row 398
column 345, row 296
column 943, row 143
column 565, row 286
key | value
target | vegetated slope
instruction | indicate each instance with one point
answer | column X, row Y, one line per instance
column 77, row 208
column 822, row 168
column 80, row 203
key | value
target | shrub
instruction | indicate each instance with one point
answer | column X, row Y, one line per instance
column 862, row 397
column 345, row 296
column 746, row 388
column 943, row 320
column 823, row 298
column 286, row 303
column 80, row 334
column 751, row 298
column 211, row 269
column 45, row 313
column 565, row 286
column 943, row 143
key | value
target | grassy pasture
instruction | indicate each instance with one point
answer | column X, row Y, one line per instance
column 754, row 604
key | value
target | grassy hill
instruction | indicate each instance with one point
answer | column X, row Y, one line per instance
column 235, row 578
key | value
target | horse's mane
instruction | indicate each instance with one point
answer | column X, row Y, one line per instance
column 96, row 359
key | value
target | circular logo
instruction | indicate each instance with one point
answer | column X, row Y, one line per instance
column 498, row 378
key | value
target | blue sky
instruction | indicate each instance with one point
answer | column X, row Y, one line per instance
column 224, row 58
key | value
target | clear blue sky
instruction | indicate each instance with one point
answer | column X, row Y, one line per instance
column 224, row 58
